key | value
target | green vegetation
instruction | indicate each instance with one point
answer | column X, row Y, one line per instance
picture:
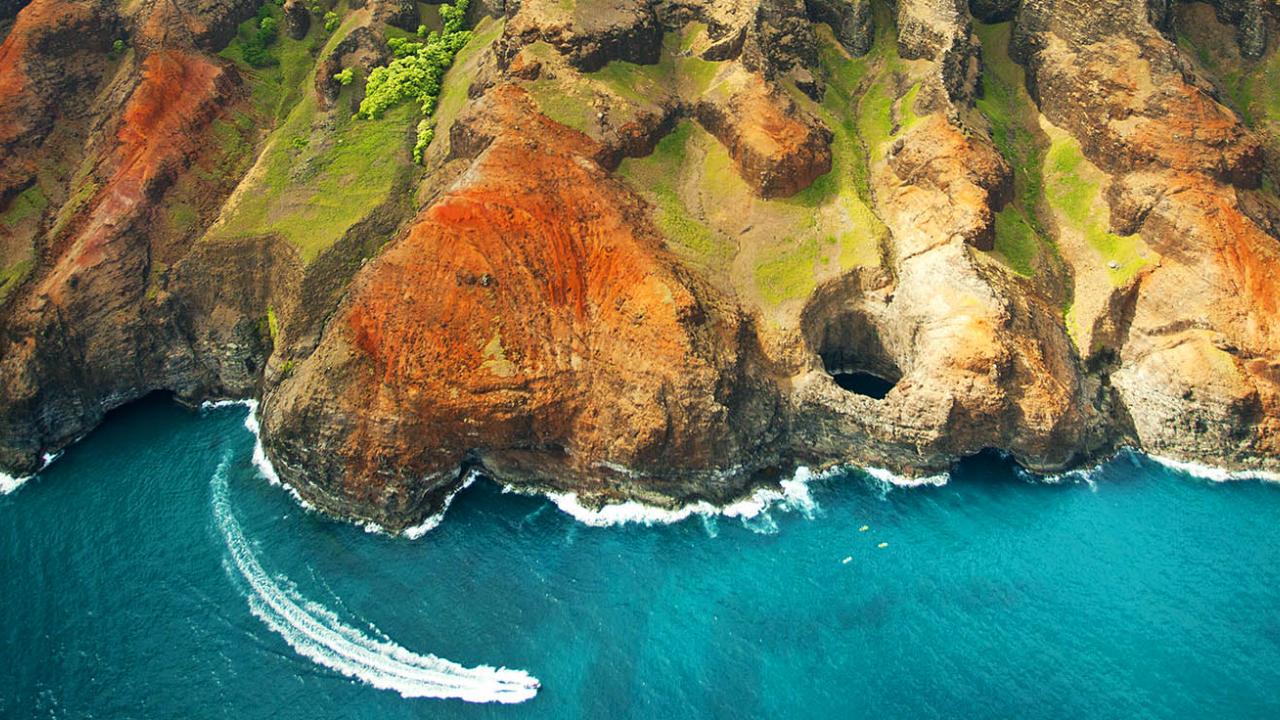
column 85, row 189
column 232, row 152
column 278, row 84
column 572, row 101
column 254, row 49
column 659, row 174
column 1250, row 87
column 859, row 108
column 1073, row 188
column 346, row 76
column 181, row 217
column 883, row 67
column 677, row 70
column 861, row 234
column 787, row 273
column 29, row 203
column 707, row 211
column 273, row 324
column 12, row 275
column 417, row 72
column 564, row 99
column 331, row 21
column 1014, row 122
column 321, row 171
column 463, row 72
column 311, row 193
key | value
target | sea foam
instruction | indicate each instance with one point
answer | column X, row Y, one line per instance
column 426, row 526
column 792, row 494
column 318, row 634
column 891, row 478
column 260, row 460
column 1206, row 472
column 9, row 483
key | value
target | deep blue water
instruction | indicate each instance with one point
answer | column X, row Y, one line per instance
column 1145, row 593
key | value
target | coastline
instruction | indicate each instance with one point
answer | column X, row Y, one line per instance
column 791, row 494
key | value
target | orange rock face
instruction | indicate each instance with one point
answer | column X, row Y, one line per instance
column 158, row 134
column 775, row 147
column 1141, row 111
column 965, row 179
column 30, row 80
column 1198, row 372
column 87, row 296
column 531, row 308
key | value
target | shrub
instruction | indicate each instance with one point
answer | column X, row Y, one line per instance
column 117, row 48
column 331, row 21
column 345, row 77
column 416, row 73
column 422, row 31
column 268, row 30
column 426, row 133
column 255, row 48
column 454, row 16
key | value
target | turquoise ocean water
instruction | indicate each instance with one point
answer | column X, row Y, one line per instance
column 151, row 572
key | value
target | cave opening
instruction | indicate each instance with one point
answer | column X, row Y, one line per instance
column 854, row 355
column 864, row 383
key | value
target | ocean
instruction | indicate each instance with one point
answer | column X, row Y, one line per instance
column 152, row 571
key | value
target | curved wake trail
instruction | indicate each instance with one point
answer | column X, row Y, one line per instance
column 318, row 634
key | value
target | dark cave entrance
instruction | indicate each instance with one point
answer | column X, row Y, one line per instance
column 864, row 383
column 855, row 357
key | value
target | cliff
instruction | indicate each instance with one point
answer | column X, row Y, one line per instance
column 652, row 250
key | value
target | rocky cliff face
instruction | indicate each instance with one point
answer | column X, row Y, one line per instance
column 656, row 251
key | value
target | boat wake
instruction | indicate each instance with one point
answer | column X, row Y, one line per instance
column 318, row 634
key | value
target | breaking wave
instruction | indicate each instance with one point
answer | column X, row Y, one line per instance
column 260, row 460
column 791, row 495
column 9, row 483
column 318, row 634
column 1206, row 472
column 889, row 477
column 426, row 526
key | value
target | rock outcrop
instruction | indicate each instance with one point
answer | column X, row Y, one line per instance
column 778, row 149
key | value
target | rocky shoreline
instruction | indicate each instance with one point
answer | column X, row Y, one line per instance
column 656, row 252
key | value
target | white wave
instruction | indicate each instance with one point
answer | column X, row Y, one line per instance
column 791, row 494
column 9, row 483
column 1214, row 474
column 426, row 526
column 318, row 634
column 1085, row 476
column 260, row 459
column 214, row 404
column 891, row 478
